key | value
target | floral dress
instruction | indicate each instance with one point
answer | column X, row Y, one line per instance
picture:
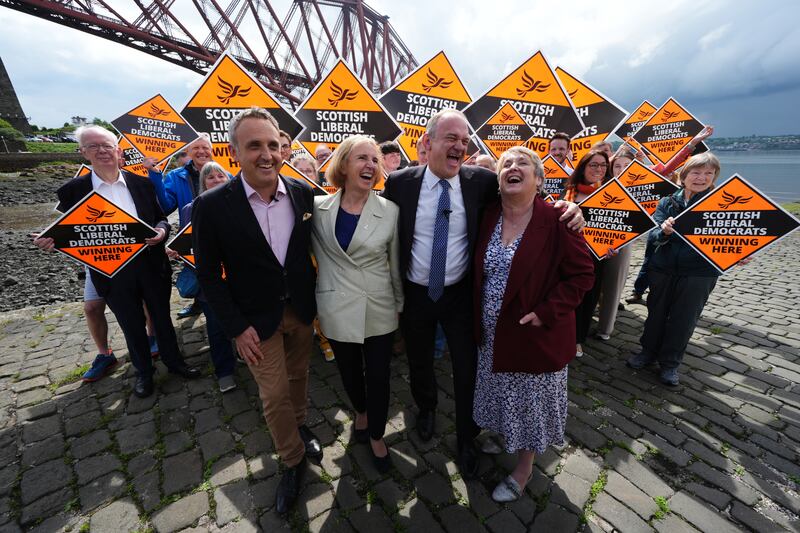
column 529, row 410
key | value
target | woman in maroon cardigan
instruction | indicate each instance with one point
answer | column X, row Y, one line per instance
column 530, row 274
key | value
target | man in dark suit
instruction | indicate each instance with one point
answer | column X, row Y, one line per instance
column 441, row 205
column 145, row 279
column 251, row 243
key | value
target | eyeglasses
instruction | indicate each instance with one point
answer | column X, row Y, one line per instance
column 595, row 166
column 97, row 147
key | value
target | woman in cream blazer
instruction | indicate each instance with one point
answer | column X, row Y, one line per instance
column 359, row 288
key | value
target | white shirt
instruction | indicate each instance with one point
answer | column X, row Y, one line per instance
column 116, row 192
column 419, row 268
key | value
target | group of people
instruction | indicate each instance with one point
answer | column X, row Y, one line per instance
column 474, row 251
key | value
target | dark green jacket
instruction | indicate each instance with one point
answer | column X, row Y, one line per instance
column 672, row 255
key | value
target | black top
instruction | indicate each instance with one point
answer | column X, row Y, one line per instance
column 345, row 227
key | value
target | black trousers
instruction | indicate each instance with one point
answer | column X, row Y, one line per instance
column 418, row 324
column 127, row 291
column 370, row 360
column 585, row 310
column 673, row 308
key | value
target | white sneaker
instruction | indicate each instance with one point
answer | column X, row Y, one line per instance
column 507, row 490
column 226, row 383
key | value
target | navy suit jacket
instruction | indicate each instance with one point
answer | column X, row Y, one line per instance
column 478, row 187
column 255, row 288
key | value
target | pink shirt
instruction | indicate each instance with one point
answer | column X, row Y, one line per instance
column 275, row 217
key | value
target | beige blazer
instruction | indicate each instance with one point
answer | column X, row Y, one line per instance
column 359, row 292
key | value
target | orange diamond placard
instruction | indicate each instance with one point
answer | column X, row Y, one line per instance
column 505, row 129
column 636, row 120
column 613, row 219
column 646, row 186
column 668, row 130
column 155, row 129
column 732, row 222
column 430, row 88
column 340, row 106
column 555, row 177
column 182, row 243
column 227, row 89
column 538, row 96
column 99, row 234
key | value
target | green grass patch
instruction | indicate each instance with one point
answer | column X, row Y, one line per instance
column 716, row 330
column 52, row 148
column 597, row 487
column 72, row 377
column 663, row 508
column 792, row 207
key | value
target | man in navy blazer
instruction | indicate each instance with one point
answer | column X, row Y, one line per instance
column 252, row 238
column 426, row 202
column 147, row 278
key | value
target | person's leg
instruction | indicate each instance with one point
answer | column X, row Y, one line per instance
column 522, row 472
column 155, row 293
column 659, row 305
column 614, row 275
column 95, row 312
column 585, row 310
column 440, row 344
column 349, row 360
column 377, row 358
column 642, row 282
column 456, row 320
column 298, row 340
column 273, row 388
column 125, row 301
column 418, row 324
column 689, row 298
column 219, row 344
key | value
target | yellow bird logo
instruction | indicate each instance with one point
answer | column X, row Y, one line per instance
column 435, row 81
column 340, row 95
column 610, row 199
column 156, row 111
column 97, row 214
column 643, row 114
column 633, row 178
column 505, row 117
column 730, row 200
column 573, row 93
column 230, row 91
column 530, row 85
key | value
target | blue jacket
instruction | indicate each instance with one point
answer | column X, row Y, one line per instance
column 671, row 254
column 173, row 190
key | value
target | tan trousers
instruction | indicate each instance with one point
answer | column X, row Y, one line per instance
column 282, row 378
column 614, row 276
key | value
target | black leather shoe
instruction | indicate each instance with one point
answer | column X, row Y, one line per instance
column 311, row 442
column 468, row 461
column 425, row 422
column 289, row 487
column 143, row 386
column 187, row 372
column 382, row 464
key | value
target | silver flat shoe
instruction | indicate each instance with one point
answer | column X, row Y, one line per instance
column 491, row 446
column 507, row 490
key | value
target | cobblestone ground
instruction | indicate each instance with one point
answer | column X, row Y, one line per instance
column 719, row 453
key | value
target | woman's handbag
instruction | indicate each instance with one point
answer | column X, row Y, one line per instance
column 187, row 284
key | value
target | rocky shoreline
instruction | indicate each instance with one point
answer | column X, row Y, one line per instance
column 28, row 277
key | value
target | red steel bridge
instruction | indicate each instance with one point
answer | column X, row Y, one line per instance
column 289, row 54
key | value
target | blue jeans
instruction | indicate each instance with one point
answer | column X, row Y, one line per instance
column 641, row 283
column 221, row 351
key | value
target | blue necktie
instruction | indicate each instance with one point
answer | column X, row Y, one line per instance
column 439, row 250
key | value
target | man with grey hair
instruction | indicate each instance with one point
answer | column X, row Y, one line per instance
column 441, row 205
column 147, row 278
column 251, row 242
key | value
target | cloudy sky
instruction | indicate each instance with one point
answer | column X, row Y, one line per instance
column 734, row 64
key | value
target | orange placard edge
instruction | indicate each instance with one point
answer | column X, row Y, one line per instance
column 466, row 90
column 601, row 95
